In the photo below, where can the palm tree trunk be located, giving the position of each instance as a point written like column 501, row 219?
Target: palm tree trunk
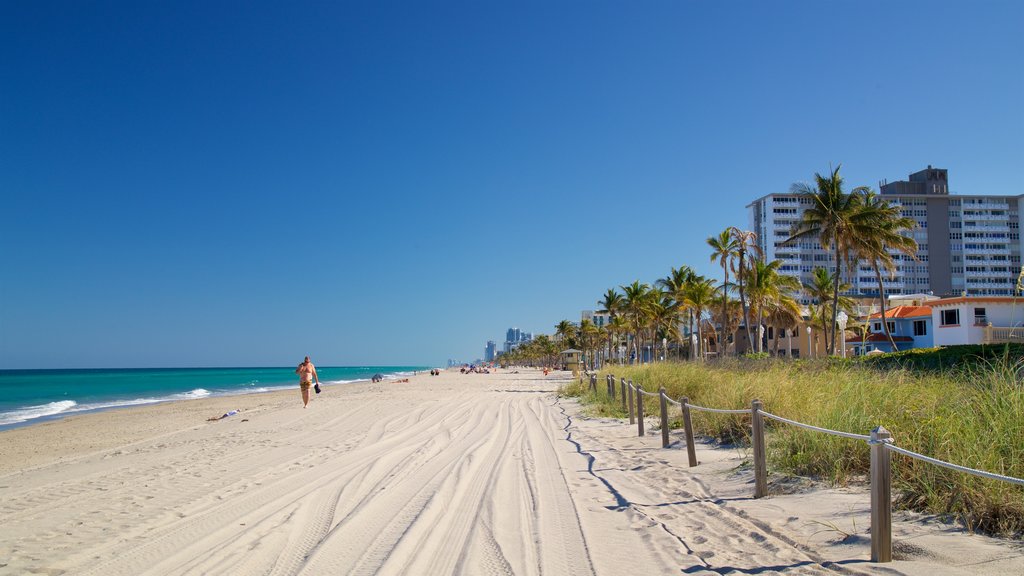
column 743, row 300
column 881, row 297
column 725, row 307
column 700, row 340
column 831, row 346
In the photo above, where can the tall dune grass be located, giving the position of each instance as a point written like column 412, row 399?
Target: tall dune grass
column 973, row 417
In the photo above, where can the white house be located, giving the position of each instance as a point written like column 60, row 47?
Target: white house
column 977, row 320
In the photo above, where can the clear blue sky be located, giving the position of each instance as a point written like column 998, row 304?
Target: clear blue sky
column 243, row 183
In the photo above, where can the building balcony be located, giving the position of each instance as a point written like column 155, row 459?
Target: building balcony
column 984, row 218
column 988, row 251
column 985, row 274
column 985, row 205
column 971, row 285
column 975, row 227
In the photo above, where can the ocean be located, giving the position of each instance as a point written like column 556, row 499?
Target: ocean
column 31, row 396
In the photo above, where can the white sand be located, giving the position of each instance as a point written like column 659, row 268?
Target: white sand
column 479, row 474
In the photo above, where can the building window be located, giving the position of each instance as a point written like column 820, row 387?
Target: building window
column 980, row 319
column 876, row 327
column 891, row 326
column 920, row 328
column 951, row 317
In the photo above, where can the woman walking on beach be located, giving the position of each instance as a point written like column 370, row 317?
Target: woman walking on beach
column 307, row 375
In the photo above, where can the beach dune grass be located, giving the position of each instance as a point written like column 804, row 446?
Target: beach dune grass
column 973, row 416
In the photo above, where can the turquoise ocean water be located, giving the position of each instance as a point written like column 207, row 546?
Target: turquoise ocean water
column 30, row 396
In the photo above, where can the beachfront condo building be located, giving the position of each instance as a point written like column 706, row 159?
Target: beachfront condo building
column 967, row 245
column 490, row 351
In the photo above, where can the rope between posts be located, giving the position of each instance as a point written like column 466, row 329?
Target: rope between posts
column 956, row 467
column 888, row 444
column 815, row 428
column 717, row 410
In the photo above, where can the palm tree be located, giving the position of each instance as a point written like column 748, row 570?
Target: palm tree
column 698, row 295
column 666, row 321
column 723, row 248
column 835, row 219
column 746, row 243
column 588, row 337
column 611, row 304
column 821, row 290
column 729, row 322
column 887, row 235
column 770, row 289
column 673, row 285
column 566, row 332
column 636, row 306
column 617, row 326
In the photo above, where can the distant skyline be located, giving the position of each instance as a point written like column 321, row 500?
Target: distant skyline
column 368, row 183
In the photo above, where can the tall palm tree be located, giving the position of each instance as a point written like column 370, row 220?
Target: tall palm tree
column 588, row 338
column 821, row 289
column 723, row 248
column 729, row 322
column 637, row 308
column 616, row 327
column 698, row 295
column 611, row 304
column 746, row 245
column 666, row 321
column 887, row 235
column 835, row 218
column 566, row 332
column 770, row 289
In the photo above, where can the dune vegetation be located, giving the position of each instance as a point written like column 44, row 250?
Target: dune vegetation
column 973, row 416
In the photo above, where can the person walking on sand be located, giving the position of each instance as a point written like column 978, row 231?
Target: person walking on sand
column 307, row 375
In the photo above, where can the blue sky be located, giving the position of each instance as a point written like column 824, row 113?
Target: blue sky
column 243, row 183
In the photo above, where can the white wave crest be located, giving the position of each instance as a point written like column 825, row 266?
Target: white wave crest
column 33, row 412
column 197, row 393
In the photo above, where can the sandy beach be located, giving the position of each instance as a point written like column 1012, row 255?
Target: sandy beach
column 453, row 474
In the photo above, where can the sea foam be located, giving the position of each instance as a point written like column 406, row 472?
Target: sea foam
column 32, row 412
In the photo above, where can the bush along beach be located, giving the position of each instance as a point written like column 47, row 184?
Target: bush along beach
column 972, row 416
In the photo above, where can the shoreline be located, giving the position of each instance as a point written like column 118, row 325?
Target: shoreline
column 72, row 433
column 74, row 392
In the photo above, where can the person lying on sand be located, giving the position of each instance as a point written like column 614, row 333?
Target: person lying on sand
column 223, row 416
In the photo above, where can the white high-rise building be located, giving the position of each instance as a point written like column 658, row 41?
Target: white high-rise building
column 966, row 244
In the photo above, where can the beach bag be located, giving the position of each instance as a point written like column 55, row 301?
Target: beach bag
column 317, row 387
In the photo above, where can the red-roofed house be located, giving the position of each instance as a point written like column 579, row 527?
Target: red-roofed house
column 910, row 326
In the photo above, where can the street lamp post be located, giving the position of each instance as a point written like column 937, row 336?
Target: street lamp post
column 842, row 318
column 810, row 351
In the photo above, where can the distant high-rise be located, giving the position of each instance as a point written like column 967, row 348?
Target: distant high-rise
column 512, row 335
column 490, row 351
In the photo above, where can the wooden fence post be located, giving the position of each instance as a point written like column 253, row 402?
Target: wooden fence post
column 639, row 411
column 691, row 450
column 593, row 382
column 629, row 388
column 664, row 416
column 611, row 388
column 622, row 390
column 881, row 497
column 760, row 459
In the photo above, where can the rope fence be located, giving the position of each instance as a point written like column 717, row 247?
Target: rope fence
column 880, row 442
